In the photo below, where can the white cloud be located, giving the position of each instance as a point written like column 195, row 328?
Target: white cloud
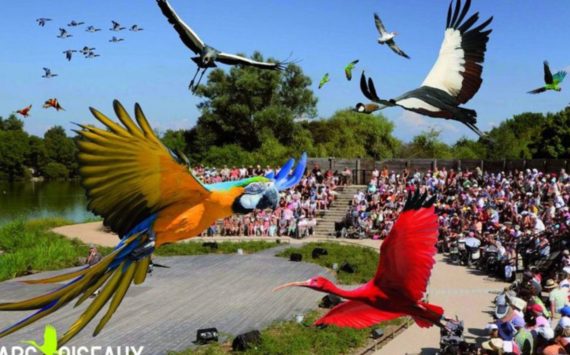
column 419, row 123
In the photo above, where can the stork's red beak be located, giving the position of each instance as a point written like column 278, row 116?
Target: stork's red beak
column 290, row 284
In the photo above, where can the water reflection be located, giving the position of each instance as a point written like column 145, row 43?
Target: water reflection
column 31, row 200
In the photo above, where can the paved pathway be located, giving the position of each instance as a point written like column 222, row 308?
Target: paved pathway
column 230, row 292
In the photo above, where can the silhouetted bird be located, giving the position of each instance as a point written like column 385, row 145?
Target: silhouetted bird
column 69, row 53
column 74, row 23
column 42, row 21
column 63, row 33
column 207, row 56
column 115, row 39
column 92, row 29
column 116, row 26
column 48, row 74
column 136, row 28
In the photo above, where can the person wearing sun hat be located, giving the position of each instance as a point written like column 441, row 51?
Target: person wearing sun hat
column 538, row 312
column 558, row 298
column 494, row 346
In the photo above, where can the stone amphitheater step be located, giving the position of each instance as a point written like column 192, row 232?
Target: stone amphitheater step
column 325, row 226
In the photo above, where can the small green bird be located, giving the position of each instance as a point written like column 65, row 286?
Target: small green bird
column 50, row 341
column 552, row 82
column 324, row 80
column 348, row 69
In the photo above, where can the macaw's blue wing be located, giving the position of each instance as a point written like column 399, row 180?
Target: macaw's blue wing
column 283, row 180
column 270, row 175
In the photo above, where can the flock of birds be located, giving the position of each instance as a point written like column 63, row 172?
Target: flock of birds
column 87, row 51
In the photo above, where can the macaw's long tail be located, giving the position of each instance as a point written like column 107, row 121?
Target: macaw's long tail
column 427, row 315
column 112, row 275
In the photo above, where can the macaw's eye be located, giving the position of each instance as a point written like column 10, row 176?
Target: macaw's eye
column 254, row 188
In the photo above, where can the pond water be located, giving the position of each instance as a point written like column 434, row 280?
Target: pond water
column 30, row 200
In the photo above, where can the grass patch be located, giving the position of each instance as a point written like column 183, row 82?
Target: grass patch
column 31, row 246
column 196, row 248
column 364, row 259
column 289, row 337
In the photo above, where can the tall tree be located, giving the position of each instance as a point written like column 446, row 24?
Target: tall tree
column 60, row 148
column 13, row 148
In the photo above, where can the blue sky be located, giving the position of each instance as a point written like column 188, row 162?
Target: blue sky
column 153, row 68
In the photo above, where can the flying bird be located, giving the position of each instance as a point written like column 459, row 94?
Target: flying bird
column 206, row 55
column 115, row 39
column 48, row 74
column 136, row 28
column 42, row 21
column 455, row 77
column 74, row 23
column 116, row 26
column 325, row 79
column 91, row 55
column 388, row 37
column 63, row 33
column 148, row 196
column 53, row 103
column 25, row 112
column 92, row 29
column 348, row 69
column 69, row 53
column 86, row 50
column 366, row 108
column 397, row 289
column 552, row 82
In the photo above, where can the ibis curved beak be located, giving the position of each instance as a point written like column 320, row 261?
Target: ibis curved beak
column 290, row 284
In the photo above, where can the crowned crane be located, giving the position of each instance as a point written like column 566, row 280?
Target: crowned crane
column 456, row 76
column 42, row 21
column 552, row 82
column 116, row 26
column 206, row 55
column 388, row 37
column 48, row 74
column 63, row 34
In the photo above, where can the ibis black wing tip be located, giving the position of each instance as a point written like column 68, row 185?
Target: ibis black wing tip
column 418, row 200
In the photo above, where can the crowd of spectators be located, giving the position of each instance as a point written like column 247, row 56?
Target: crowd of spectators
column 298, row 208
column 520, row 218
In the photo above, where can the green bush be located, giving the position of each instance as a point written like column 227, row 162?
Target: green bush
column 54, row 171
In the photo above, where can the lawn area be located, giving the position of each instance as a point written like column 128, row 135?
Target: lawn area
column 31, row 246
column 364, row 259
column 197, row 248
column 292, row 338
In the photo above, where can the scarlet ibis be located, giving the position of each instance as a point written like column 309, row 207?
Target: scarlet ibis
column 406, row 261
column 116, row 26
column 348, row 69
column 63, row 33
column 136, row 28
column 42, row 21
column 25, row 112
column 325, row 79
column 388, row 37
column 53, row 103
column 551, row 82
column 47, row 73
column 456, row 76
column 148, row 196
column 206, row 55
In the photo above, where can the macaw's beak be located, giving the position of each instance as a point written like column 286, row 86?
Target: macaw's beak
column 270, row 199
column 290, row 284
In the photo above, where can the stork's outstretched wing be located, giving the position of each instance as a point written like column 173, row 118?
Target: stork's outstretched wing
column 129, row 174
column 458, row 68
column 187, row 35
column 233, row 59
column 407, row 254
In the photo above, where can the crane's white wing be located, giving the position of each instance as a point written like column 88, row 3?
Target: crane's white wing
column 187, row 35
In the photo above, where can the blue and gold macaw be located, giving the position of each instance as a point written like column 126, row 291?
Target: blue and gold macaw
column 147, row 196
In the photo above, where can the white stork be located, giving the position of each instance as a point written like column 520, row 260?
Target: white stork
column 455, row 77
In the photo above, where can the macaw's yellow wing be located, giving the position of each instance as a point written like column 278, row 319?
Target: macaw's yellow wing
column 129, row 174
